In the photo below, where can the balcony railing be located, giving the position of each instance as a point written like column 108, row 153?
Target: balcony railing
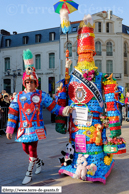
column 98, row 53
column 117, row 75
column 109, row 53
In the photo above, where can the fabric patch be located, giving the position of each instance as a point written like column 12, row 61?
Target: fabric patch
column 51, row 107
column 13, row 111
column 79, row 93
column 20, row 132
column 40, row 133
column 28, row 108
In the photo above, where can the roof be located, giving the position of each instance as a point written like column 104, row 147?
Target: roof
column 17, row 39
column 125, row 29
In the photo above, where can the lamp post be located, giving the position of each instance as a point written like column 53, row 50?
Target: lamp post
column 14, row 74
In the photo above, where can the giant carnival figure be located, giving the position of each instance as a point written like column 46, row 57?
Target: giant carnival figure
column 84, row 90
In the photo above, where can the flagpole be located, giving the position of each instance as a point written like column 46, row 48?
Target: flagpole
column 67, row 39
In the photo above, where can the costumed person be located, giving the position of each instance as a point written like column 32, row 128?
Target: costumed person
column 127, row 105
column 27, row 107
column 87, row 133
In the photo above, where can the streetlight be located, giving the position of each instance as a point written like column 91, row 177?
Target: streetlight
column 14, row 74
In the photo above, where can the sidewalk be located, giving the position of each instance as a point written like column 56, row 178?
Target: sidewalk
column 14, row 163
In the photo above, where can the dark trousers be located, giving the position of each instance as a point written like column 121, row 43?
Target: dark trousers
column 120, row 110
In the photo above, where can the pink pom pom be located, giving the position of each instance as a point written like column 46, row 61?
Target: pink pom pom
column 23, row 75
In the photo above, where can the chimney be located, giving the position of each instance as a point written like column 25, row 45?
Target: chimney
column 14, row 33
column 4, row 32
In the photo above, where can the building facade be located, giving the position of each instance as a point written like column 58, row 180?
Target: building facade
column 44, row 45
column 49, row 46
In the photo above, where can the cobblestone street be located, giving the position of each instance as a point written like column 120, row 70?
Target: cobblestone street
column 14, row 163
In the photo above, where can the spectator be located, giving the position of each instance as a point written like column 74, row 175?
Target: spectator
column 127, row 105
column 121, row 101
column 1, row 112
column 3, row 92
column 1, row 99
column 6, row 101
column 11, row 97
column 5, row 105
column 14, row 94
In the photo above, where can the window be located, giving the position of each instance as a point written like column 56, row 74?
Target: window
column 52, row 36
column 98, row 27
column 109, row 49
column 127, row 31
column 109, row 27
column 7, row 85
column 38, row 38
column 37, row 61
column 25, row 39
column 125, row 49
column 109, row 66
column 7, row 42
column 70, row 49
column 125, row 68
column 98, row 63
column 7, row 63
column 74, row 29
column 98, row 48
column 51, row 60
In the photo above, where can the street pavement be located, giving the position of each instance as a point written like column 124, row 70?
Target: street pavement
column 14, row 163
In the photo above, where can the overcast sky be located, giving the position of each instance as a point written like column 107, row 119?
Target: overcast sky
column 31, row 15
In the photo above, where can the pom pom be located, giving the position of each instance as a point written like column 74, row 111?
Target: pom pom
column 65, row 24
column 88, row 19
column 64, row 15
column 27, row 54
column 23, row 75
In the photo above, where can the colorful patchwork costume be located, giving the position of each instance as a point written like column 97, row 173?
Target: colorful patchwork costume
column 85, row 91
column 27, row 108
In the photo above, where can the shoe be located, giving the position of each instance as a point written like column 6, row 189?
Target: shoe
column 28, row 176
column 38, row 163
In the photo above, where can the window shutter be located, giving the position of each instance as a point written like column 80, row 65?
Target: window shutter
column 110, row 27
column 71, row 67
column 96, row 27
